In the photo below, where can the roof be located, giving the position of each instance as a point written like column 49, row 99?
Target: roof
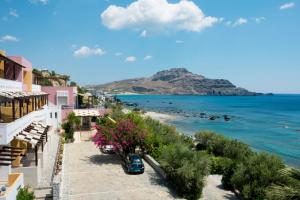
column 87, row 112
column 7, row 59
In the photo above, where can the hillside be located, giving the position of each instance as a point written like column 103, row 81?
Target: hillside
column 47, row 78
column 177, row 81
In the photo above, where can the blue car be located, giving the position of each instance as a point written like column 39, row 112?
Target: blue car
column 134, row 164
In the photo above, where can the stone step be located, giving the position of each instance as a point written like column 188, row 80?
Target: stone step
column 43, row 193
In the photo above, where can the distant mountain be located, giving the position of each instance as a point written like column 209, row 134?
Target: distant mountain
column 177, row 81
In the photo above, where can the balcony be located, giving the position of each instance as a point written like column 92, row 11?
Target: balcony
column 13, row 184
column 9, row 85
column 36, row 88
column 9, row 130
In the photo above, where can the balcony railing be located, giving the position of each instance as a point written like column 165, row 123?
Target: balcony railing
column 9, row 130
column 36, row 88
column 9, row 85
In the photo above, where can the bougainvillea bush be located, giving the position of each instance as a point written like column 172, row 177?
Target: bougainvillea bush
column 125, row 135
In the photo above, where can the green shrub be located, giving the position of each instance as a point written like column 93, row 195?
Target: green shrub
column 286, row 187
column 211, row 142
column 219, row 165
column 160, row 135
column 258, row 172
column 219, row 145
column 237, row 150
column 69, row 131
column 203, row 138
column 25, row 194
column 228, row 172
column 185, row 168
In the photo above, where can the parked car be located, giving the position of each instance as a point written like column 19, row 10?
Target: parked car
column 134, row 164
column 108, row 149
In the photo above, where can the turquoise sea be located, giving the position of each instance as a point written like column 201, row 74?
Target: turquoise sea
column 267, row 123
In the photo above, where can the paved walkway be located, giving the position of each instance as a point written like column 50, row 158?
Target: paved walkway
column 213, row 189
column 47, row 170
column 89, row 174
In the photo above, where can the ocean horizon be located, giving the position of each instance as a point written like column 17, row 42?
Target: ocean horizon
column 266, row 123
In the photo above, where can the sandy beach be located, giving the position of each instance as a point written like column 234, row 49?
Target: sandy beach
column 163, row 118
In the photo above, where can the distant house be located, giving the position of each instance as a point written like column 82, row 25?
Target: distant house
column 62, row 101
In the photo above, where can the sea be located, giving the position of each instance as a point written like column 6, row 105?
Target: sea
column 266, row 123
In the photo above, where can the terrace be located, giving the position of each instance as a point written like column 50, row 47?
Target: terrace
column 15, row 105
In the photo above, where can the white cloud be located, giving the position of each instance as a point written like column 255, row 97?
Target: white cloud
column 157, row 15
column 179, row 41
column 148, row 57
column 143, row 33
column 13, row 12
column 118, row 54
column 240, row 21
column 287, row 6
column 85, row 51
column 39, row 1
column 8, row 38
column 130, row 59
column 258, row 20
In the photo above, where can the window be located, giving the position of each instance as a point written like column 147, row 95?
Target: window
column 51, row 115
column 55, row 115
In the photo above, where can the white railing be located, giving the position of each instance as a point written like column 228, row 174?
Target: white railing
column 36, row 88
column 9, row 85
column 9, row 130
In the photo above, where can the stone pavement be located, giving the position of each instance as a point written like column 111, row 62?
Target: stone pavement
column 47, row 170
column 213, row 189
column 89, row 174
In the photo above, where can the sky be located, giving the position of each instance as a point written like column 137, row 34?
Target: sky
column 254, row 44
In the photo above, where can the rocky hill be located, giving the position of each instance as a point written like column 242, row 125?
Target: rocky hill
column 177, row 81
column 47, row 78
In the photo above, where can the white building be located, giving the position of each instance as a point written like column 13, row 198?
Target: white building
column 23, row 127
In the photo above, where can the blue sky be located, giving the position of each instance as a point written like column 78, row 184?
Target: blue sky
column 255, row 44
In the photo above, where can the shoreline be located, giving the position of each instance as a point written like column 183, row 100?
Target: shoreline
column 161, row 117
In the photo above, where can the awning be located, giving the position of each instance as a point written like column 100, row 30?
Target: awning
column 87, row 113
column 16, row 95
column 34, row 133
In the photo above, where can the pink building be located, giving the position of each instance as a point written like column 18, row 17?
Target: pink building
column 62, row 100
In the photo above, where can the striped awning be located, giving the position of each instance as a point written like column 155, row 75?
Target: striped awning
column 34, row 135
column 87, row 112
column 15, row 95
